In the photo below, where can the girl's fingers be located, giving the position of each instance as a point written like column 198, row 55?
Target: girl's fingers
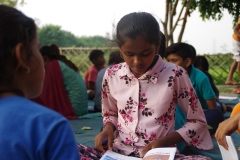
column 110, row 143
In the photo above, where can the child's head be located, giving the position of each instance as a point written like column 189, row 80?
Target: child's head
column 96, row 56
column 138, row 37
column 179, row 54
column 194, row 53
column 52, row 52
column 115, row 58
column 21, row 64
column 201, row 63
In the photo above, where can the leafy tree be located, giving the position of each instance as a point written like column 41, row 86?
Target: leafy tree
column 50, row 34
column 11, row 3
column 178, row 11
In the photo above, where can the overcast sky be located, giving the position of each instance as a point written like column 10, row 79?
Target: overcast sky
column 95, row 17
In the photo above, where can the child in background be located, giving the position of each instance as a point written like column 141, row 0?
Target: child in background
column 236, row 54
column 64, row 89
column 28, row 130
column 139, row 97
column 201, row 63
column 181, row 55
column 114, row 58
column 96, row 57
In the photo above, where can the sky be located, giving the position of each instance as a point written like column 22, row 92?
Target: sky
column 95, row 17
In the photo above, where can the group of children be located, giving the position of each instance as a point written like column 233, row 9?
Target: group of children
column 143, row 98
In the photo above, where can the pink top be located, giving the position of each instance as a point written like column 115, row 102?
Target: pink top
column 91, row 75
column 142, row 109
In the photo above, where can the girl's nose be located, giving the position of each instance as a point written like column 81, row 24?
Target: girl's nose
column 137, row 60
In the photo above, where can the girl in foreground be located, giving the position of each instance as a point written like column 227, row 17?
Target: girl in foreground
column 28, row 130
column 139, row 97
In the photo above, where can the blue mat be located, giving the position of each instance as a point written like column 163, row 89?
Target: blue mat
column 86, row 137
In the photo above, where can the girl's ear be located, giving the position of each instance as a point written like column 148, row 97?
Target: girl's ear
column 188, row 62
column 22, row 58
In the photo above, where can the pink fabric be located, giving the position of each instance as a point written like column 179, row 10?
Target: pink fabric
column 142, row 109
column 53, row 94
column 91, row 75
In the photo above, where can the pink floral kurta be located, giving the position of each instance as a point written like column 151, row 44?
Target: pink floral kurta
column 142, row 109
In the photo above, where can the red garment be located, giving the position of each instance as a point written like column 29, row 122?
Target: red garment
column 54, row 95
column 91, row 74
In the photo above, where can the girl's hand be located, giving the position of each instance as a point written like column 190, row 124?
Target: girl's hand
column 166, row 141
column 154, row 144
column 227, row 127
column 104, row 140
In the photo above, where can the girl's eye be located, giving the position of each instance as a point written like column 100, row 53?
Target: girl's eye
column 129, row 54
column 145, row 53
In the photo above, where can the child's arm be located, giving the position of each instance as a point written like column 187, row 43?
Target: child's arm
column 237, row 30
column 227, row 127
column 211, row 103
column 195, row 131
column 166, row 141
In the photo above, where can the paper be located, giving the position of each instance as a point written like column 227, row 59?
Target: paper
column 167, row 153
column 231, row 153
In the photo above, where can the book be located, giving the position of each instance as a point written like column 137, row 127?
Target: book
column 231, row 153
column 167, row 153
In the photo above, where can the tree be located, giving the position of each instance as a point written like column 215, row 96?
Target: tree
column 178, row 11
column 11, row 3
column 50, row 34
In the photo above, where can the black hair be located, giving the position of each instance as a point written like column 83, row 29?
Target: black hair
column 135, row 24
column 181, row 49
column 53, row 53
column 162, row 49
column 115, row 58
column 201, row 61
column 94, row 54
column 15, row 28
column 194, row 53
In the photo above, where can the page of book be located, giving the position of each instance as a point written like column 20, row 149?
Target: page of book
column 110, row 155
column 231, row 153
column 167, row 153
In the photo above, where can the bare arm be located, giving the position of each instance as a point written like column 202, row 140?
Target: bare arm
column 236, row 30
column 211, row 103
column 91, row 85
column 227, row 127
column 166, row 141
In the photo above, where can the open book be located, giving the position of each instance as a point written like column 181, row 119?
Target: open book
column 231, row 153
column 167, row 153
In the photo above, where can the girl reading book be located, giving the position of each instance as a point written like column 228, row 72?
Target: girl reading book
column 139, row 97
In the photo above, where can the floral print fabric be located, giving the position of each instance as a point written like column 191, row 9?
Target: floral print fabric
column 142, row 109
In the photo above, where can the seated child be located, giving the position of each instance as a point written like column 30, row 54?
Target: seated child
column 28, row 130
column 201, row 63
column 139, row 97
column 96, row 57
column 64, row 90
column 114, row 58
column 181, row 54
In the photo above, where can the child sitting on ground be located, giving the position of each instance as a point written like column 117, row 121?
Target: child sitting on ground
column 64, row 89
column 139, row 97
column 201, row 63
column 96, row 57
column 181, row 54
column 28, row 130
